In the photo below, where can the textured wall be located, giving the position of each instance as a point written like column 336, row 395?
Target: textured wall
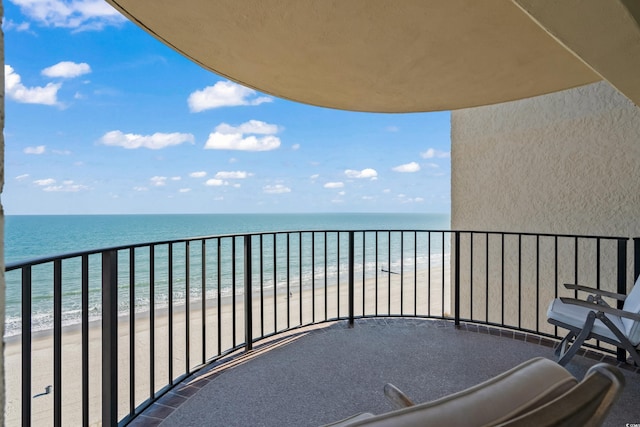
column 2, row 283
column 566, row 163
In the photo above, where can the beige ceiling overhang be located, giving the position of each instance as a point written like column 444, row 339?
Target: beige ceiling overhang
column 391, row 55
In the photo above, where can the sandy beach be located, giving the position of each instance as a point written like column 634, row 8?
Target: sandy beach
column 275, row 313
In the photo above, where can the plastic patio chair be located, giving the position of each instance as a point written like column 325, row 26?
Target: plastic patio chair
column 538, row 393
column 594, row 318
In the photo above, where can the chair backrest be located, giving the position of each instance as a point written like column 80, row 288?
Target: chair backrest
column 587, row 404
column 506, row 396
column 632, row 304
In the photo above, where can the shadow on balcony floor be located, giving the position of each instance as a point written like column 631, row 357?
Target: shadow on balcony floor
column 319, row 375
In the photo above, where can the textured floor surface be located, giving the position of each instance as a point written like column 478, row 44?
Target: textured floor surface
column 322, row 375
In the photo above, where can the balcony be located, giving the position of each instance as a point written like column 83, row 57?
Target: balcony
column 133, row 330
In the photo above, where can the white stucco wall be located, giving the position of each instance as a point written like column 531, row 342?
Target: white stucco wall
column 566, row 163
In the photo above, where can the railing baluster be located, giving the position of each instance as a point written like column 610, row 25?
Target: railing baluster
column 537, row 283
column 275, row 284
column 110, row 338
column 402, row 273
column 351, row 279
column 233, row 288
column 248, row 306
column 219, row 292
column 170, row 320
column 429, row 274
column 313, row 277
column 622, row 285
column 85, row 340
column 300, row 273
column 288, row 281
column 325, row 277
column 519, row 280
column 636, row 258
column 261, row 287
column 203, row 293
column 364, row 278
column 470, row 275
column 132, row 331
column 152, row 320
column 456, row 252
column 415, row 273
column 376, row 272
column 26, row 345
column 338, row 271
column 187, row 309
column 389, row 273
column 486, row 277
column 57, row 342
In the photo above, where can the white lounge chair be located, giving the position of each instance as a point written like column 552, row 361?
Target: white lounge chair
column 594, row 318
column 537, row 393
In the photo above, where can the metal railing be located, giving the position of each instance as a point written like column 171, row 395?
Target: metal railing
column 163, row 310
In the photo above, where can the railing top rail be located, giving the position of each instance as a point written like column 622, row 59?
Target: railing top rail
column 46, row 259
column 517, row 233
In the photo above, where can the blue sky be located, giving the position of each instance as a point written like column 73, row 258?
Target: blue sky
column 101, row 118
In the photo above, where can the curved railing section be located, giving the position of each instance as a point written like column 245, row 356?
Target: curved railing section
column 102, row 334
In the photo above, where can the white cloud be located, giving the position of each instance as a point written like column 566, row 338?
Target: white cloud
column 233, row 175
column 392, row 129
column 342, row 193
column 140, row 189
column 22, row 177
column 67, row 69
column 158, row 181
column 219, row 141
column 67, row 186
column 334, row 185
column 295, row 147
column 433, row 153
column 227, row 137
column 47, row 95
column 176, row 178
column 199, row 174
column 76, row 14
column 40, row 149
column 364, row 173
column 367, row 198
column 157, row 141
column 276, row 189
column 8, row 25
column 433, row 165
column 408, row 167
column 214, row 182
column 61, row 152
column 184, row 190
column 315, row 176
column 224, row 94
column 386, row 190
column 44, row 182
column 256, row 127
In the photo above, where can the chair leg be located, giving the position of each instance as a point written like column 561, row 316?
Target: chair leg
column 562, row 346
column 624, row 341
column 567, row 354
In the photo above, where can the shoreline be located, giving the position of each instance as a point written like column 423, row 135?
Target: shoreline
column 279, row 314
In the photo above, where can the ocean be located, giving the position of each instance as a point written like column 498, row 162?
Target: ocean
column 31, row 237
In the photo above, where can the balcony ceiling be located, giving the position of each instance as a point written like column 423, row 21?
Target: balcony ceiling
column 405, row 55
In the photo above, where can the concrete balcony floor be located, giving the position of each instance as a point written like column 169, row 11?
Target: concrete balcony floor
column 327, row 372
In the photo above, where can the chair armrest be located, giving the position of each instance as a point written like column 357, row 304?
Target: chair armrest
column 619, row 297
column 602, row 308
column 397, row 398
